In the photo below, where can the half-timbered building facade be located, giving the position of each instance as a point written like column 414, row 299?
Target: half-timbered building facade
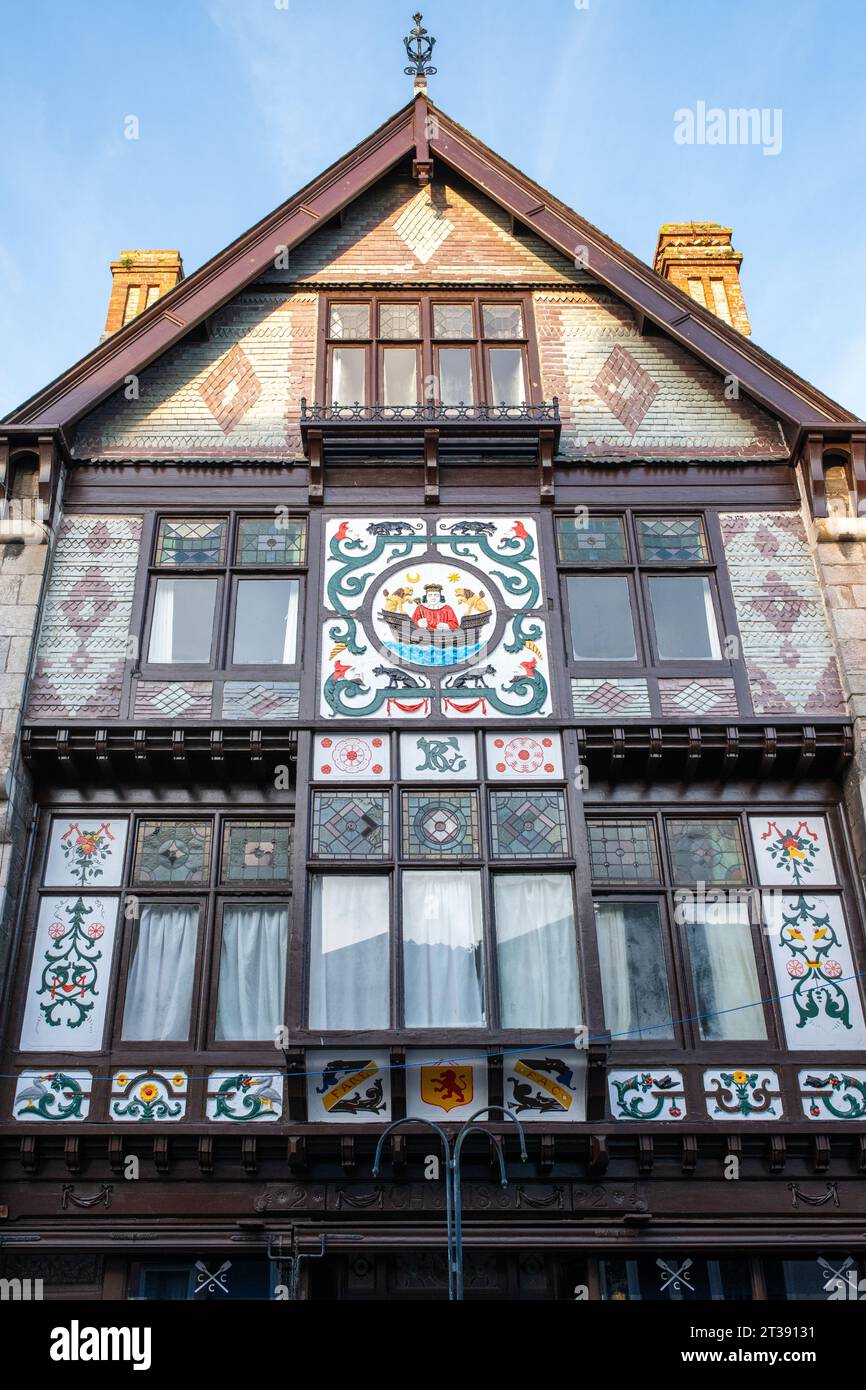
column 433, row 709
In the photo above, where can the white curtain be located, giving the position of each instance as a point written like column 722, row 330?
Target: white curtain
column 536, row 951
column 291, row 634
column 162, row 627
column 633, row 972
column 159, row 988
column 349, row 955
column 724, row 971
column 442, row 949
column 251, row 1002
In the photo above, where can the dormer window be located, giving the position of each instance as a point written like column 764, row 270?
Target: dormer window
column 451, row 352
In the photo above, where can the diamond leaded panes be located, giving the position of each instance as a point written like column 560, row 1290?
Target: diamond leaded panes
column 623, row 851
column 453, row 321
column 349, row 321
column 256, row 851
column 591, row 540
column 351, row 825
column 670, row 538
column 706, row 851
column 528, row 825
column 172, row 851
column 193, row 542
column 502, row 320
column 399, row 321
column 271, row 541
column 440, row 825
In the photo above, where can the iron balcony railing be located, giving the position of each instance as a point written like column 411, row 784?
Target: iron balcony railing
column 430, row 413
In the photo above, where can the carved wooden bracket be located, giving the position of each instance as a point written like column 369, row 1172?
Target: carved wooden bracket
column 431, row 466
column 316, row 489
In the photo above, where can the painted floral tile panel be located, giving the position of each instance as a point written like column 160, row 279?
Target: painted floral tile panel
column 742, row 1093
column 145, row 1096
column 815, row 972
column 345, row 1086
column 351, row 757
column 524, row 757
column 69, row 974
column 86, row 851
column 792, row 851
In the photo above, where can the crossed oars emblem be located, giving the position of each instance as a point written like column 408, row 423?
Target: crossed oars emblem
column 205, row 1282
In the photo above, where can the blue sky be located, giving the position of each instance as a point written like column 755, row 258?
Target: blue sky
column 240, row 102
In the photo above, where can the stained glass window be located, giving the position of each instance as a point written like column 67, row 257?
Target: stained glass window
column 528, row 825
column 708, row 851
column 271, row 541
column 591, row 540
column 256, row 851
column 399, row 321
column 350, row 321
column 172, row 851
column 453, row 321
column 440, row 825
column 502, row 320
column 351, row 825
column 193, row 542
column 623, row 851
column 668, row 538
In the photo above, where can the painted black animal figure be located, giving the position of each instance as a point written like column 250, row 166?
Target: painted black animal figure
column 396, row 677
column 392, row 528
column 474, row 678
column 471, row 528
column 332, row 1071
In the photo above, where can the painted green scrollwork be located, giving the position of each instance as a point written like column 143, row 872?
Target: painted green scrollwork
column 54, row 1096
column 649, row 1098
column 256, row 1095
column 809, row 936
column 845, row 1097
column 70, row 974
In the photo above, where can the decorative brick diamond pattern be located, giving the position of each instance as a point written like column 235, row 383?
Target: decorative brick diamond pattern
column 626, row 388
column 528, row 825
column 714, row 699
column 783, row 626
column 259, row 700
column 423, row 227
column 600, row 699
column 173, row 699
column 82, row 646
column 230, row 389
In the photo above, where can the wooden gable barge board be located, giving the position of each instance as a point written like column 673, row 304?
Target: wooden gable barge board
column 675, row 312
column 149, row 335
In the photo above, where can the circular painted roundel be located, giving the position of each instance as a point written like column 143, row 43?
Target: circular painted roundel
column 523, row 754
column 352, row 755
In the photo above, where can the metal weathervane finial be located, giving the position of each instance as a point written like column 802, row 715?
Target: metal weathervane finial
column 419, row 47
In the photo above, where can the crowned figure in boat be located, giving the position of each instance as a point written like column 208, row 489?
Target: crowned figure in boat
column 433, row 612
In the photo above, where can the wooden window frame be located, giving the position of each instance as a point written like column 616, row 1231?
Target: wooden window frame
column 227, row 574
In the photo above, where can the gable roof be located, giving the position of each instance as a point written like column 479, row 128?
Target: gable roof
column 77, row 390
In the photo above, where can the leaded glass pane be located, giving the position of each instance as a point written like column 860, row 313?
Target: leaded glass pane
column 271, row 541
column 350, row 321
column 440, row 825
column 502, row 320
column 623, row 851
column 399, row 321
column 453, row 321
column 195, row 542
column 351, row 825
column 591, row 540
column 528, row 825
column 669, row 538
column 256, row 851
column 707, row 851
column 172, row 851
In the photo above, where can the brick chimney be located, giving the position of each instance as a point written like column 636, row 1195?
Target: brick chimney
column 140, row 277
column 698, row 257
